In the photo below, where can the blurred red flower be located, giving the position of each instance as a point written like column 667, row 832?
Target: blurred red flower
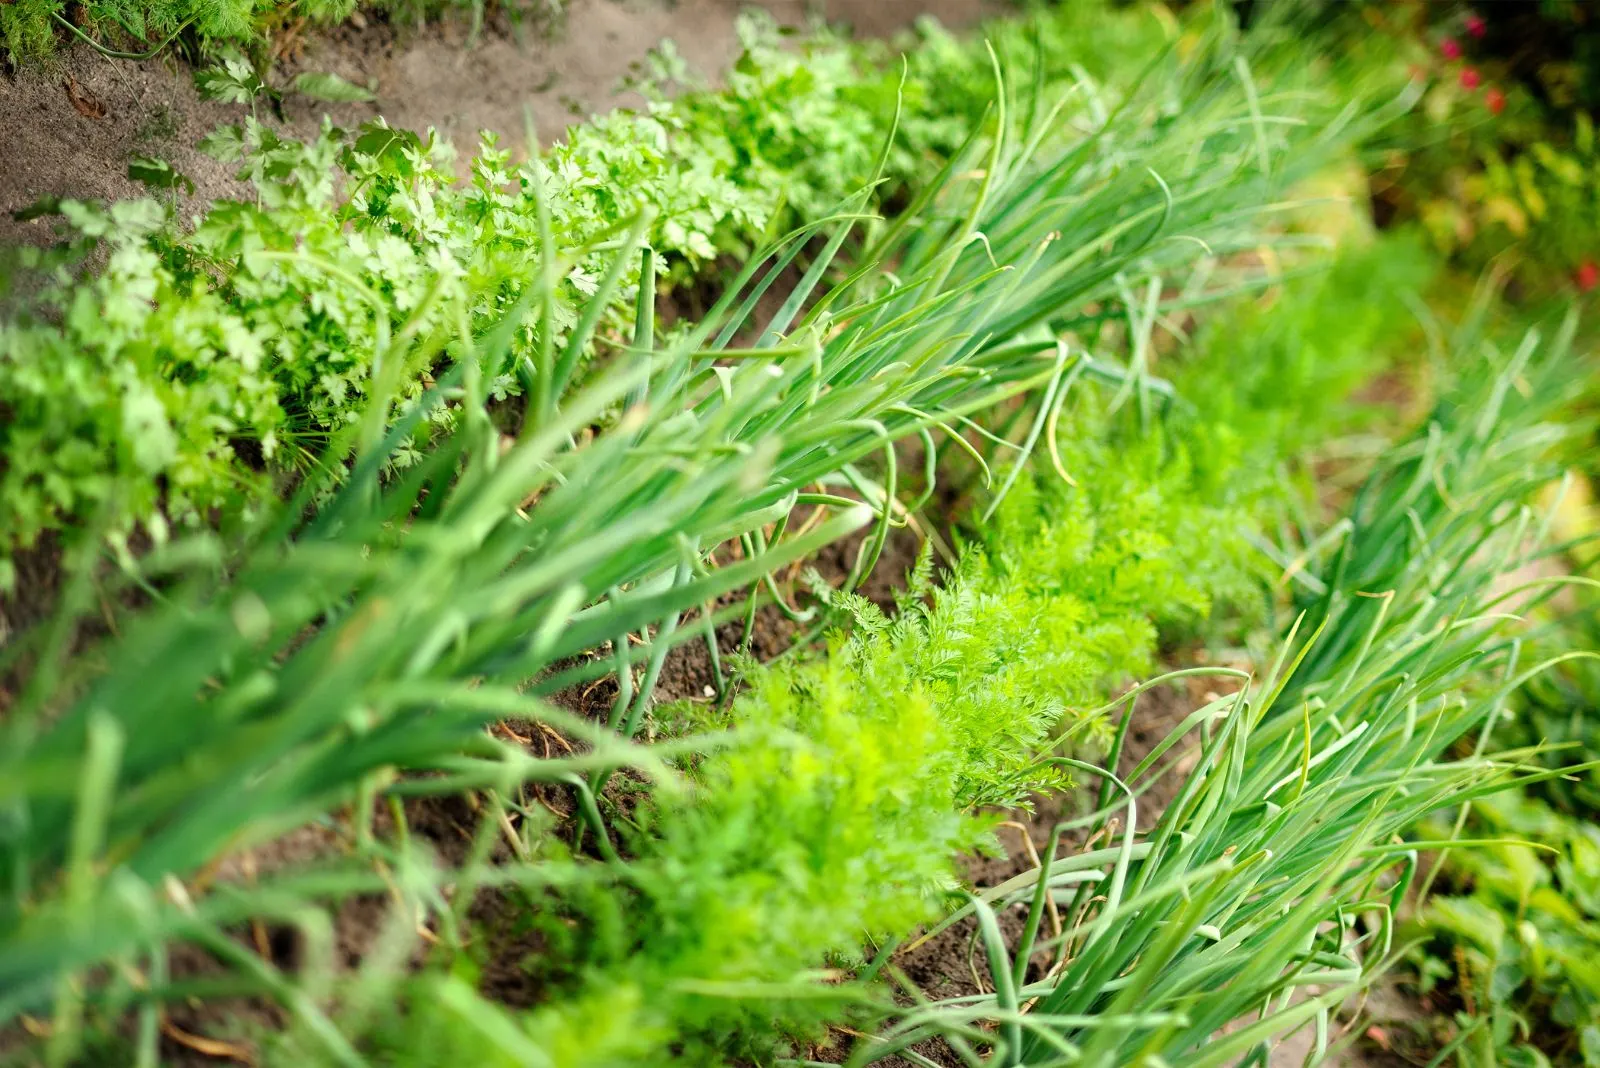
column 1470, row 78
column 1587, row 276
column 1494, row 100
column 1451, row 48
column 1476, row 26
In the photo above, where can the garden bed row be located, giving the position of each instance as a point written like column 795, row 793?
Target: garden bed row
column 515, row 487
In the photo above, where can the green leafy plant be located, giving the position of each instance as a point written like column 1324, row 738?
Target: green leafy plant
column 1503, row 964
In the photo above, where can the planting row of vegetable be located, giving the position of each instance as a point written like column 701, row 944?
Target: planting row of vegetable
column 484, row 480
